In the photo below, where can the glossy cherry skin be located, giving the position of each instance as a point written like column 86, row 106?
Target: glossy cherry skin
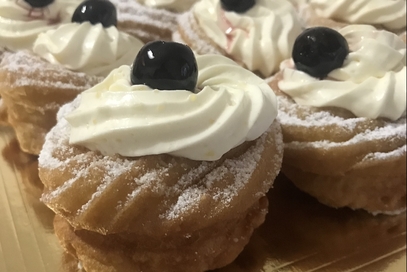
column 39, row 3
column 238, row 6
column 165, row 66
column 319, row 50
column 96, row 11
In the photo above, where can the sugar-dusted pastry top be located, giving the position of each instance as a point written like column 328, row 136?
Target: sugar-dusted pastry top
column 87, row 48
column 230, row 105
column 389, row 13
column 342, row 141
column 146, row 23
column 172, row 5
column 260, row 38
column 20, row 23
column 371, row 83
column 24, row 68
column 151, row 194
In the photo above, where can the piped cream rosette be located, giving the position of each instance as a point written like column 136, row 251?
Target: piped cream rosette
column 371, row 83
column 229, row 106
column 87, row 48
column 260, row 38
column 172, row 5
column 18, row 30
column 391, row 14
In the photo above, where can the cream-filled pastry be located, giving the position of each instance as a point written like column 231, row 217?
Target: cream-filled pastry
column 343, row 113
column 65, row 61
column 21, row 21
column 386, row 14
column 172, row 158
column 150, row 20
column 256, row 34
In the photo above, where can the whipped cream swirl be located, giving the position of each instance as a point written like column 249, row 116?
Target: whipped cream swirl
column 390, row 14
column 260, row 38
column 87, row 48
column 172, row 5
column 19, row 28
column 231, row 105
column 371, row 83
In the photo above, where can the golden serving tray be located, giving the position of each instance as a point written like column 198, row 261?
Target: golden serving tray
column 299, row 233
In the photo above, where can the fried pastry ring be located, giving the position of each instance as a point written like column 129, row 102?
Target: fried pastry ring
column 165, row 206
column 202, row 250
column 32, row 91
column 343, row 160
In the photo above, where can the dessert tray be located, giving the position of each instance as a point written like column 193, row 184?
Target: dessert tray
column 299, row 233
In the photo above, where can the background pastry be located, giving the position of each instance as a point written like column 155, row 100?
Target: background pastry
column 182, row 195
column 20, row 22
column 383, row 14
column 67, row 60
column 150, row 20
column 343, row 118
column 257, row 34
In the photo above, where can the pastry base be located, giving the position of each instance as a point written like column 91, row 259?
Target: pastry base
column 202, row 250
column 341, row 160
column 32, row 91
column 147, row 24
column 156, row 212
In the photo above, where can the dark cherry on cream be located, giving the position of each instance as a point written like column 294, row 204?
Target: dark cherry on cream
column 165, row 66
column 319, row 50
column 238, row 6
column 96, row 11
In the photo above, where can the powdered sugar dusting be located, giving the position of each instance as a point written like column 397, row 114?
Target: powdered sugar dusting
column 58, row 136
column 140, row 21
column 288, row 116
column 32, row 70
column 389, row 132
column 113, row 170
column 200, row 182
column 396, row 212
column 240, row 168
column 386, row 155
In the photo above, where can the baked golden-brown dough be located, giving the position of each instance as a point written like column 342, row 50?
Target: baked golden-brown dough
column 208, row 248
column 146, row 213
column 32, row 91
column 3, row 109
column 343, row 160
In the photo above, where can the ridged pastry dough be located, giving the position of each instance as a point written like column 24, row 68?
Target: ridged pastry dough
column 343, row 160
column 32, row 91
column 166, row 211
column 146, row 23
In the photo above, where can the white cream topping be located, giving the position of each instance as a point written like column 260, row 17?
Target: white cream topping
column 231, row 105
column 87, row 48
column 391, row 14
column 172, row 5
column 260, row 38
column 19, row 28
column 371, row 83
